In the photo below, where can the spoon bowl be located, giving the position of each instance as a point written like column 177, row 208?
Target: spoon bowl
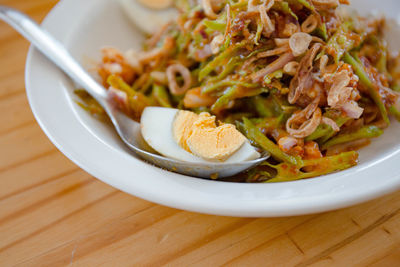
column 128, row 129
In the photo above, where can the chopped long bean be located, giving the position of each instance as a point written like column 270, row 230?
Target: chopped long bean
column 365, row 132
column 253, row 133
column 366, row 81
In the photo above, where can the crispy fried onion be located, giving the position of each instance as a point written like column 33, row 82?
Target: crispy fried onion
column 307, row 124
column 251, row 5
column 269, row 26
column 273, row 52
column 303, row 78
column 155, row 53
column 248, row 63
column 330, row 122
column 274, row 66
column 174, row 69
column 281, row 41
column 340, row 93
column 323, row 62
column 216, row 43
column 208, row 9
column 310, row 24
column 325, row 4
column 262, row 9
column 290, row 29
column 352, row 109
column 303, row 123
column 291, row 68
column 299, row 43
column 286, row 143
column 152, row 42
column 228, row 21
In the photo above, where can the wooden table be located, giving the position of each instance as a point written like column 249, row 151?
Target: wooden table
column 52, row 213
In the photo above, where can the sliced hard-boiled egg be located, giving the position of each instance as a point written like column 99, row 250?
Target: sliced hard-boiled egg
column 186, row 136
column 149, row 15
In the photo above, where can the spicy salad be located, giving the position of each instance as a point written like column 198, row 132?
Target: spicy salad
column 300, row 79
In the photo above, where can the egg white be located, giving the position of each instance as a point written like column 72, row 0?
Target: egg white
column 156, row 127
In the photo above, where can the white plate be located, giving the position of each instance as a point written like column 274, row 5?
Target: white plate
column 84, row 27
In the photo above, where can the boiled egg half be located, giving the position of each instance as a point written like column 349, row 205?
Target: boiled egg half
column 187, row 136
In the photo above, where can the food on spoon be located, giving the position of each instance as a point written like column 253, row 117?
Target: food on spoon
column 186, row 136
column 300, row 80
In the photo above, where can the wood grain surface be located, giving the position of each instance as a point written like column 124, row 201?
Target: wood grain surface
column 54, row 214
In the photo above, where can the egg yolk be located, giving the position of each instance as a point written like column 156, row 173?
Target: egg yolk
column 200, row 135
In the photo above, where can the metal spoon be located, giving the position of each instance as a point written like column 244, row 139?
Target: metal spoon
column 128, row 130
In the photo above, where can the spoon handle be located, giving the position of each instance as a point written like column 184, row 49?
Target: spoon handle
column 54, row 50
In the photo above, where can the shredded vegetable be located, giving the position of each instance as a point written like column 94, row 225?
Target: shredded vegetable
column 301, row 81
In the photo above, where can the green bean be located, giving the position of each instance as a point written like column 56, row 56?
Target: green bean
column 325, row 132
column 228, row 69
column 224, row 83
column 238, row 4
column 396, row 113
column 254, row 134
column 340, row 122
column 262, row 108
column 161, row 95
column 285, row 8
column 396, row 86
column 183, row 41
column 218, row 60
column 370, row 131
column 322, row 32
column 267, row 107
column 120, row 84
column 90, row 104
column 215, row 25
column 321, row 131
column 312, row 168
column 340, row 42
column 366, row 81
column 223, row 101
column 257, row 37
column 274, row 75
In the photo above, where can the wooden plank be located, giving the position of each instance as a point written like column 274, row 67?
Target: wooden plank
column 40, row 216
column 34, row 173
column 11, row 85
column 162, row 238
column 15, row 62
column 136, row 220
column 22, row 145
column 23, row 203
column 367, row 248
column 337, row 229
column 240, row 241
column 392, row 258
column 17, row 113
column 119, row 213
column 279, row 252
